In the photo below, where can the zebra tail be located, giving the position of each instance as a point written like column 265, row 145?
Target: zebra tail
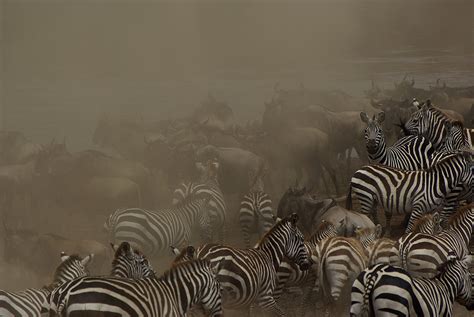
column 368, row 289
column 349, row 198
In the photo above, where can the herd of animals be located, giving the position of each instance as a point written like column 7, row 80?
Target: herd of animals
column 196, row 192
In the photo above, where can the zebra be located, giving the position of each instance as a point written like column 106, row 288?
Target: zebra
column 33, row 301
column 256, row 215
column 417, row 192
column 383, row 290
column 457, row 137
column 208, row 184
column 384, row 250
column 408, row 153
column 341, row 259
column 172, row 294
column 155, row 231
column 250, row 275
column 422, row 254
column 290, row 275
column 130, row 263
column 428, row 121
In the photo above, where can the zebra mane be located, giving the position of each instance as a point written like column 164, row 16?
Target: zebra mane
column 461, row 213
column 276, row 227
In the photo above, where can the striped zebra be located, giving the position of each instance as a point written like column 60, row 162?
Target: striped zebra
column 417, row 192
column 421, row 254
column 207, row 184
column 384, row 290
column 250, row 275
column 384, row 250
column 172, row 294
column 130, row 263
column 155, row 231
column 255, row 214
column 33, row 301
column 408, row 153
column 428, row 121
column 341, row 259
column 457, row 137
column 290, row 275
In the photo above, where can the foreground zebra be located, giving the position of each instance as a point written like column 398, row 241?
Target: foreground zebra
column 421, row 254
column 255, row 214
column 155, row 231
column 172, row 294
column 208, row 184
column 250, row 275
column 384, row 290
column 417, row 192
column 34, row 302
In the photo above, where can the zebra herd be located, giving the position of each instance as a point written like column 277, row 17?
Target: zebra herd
column 427, row 174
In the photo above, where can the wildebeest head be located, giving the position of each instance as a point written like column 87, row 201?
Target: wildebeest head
column 299, row 201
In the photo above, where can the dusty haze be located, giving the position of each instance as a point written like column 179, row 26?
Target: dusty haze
column 64, row 62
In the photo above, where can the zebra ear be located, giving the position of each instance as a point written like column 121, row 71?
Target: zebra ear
column 380, row 117
column 64, row 256
column 174, row 250
column 364, row 117
column 87, row 260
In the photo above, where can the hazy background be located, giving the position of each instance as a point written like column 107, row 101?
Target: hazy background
column 64, row 62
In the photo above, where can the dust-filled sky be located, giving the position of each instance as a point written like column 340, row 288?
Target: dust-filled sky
column 65, row 61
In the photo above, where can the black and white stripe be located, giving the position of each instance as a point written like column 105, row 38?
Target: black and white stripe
column 250, row 275
column 256, row 215
column 208, row 184
column 172, row 294
column 34, row 302
column 155, row 231
column 409, row 153
column 384, row 290
column 417, row 192
column 422, row 254
column 130, row 263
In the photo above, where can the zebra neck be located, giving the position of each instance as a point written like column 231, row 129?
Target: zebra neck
column 463, row 226
column 448, row 173
column 190, row 212
column 273, row 245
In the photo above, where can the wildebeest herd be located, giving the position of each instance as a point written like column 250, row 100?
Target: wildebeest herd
column 191, row 196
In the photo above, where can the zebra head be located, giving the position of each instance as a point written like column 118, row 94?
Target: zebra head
column 455, row 272
column 71, row 267
column 295, row 248
column 373, row 133
column 421, row 121
column 367, row 236
column 456, row 138
column 130, row 263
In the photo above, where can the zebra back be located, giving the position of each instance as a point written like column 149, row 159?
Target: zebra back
column 255, row 215
column 422, row 254
column 172, row 294
column 155, row 231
